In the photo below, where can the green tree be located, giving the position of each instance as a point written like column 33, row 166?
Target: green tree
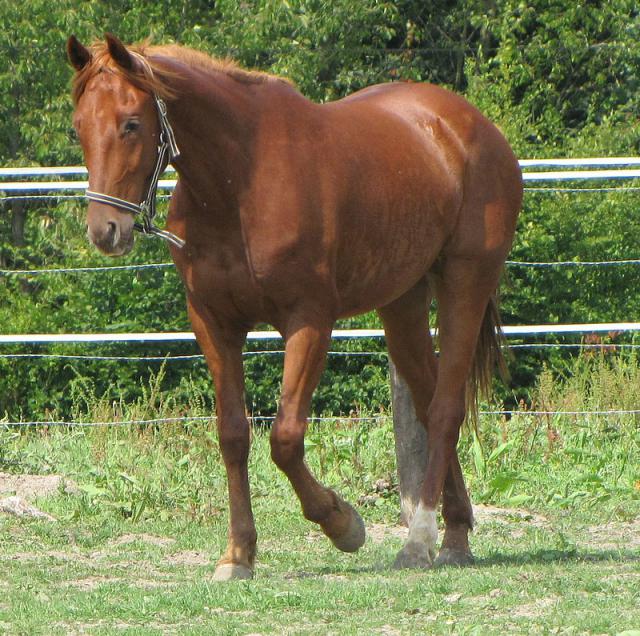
column 558, row 78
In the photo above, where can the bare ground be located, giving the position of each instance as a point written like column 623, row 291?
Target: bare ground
column 30, row 487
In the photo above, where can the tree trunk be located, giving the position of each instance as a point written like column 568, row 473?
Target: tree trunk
column 18, row 220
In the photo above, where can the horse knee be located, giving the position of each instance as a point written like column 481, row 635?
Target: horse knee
column 234, row 440
column 287, row 444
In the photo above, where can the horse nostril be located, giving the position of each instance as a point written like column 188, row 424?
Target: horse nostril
column 112, row 232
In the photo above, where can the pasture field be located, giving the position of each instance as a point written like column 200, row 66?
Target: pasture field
column 140, row 518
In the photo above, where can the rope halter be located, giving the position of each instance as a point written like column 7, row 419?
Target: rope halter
column 167, row 152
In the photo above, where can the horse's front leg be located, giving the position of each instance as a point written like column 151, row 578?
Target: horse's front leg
column 222, row 348
column 307, row 342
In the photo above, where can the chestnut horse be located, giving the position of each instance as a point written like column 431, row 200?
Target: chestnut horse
column 297, row 214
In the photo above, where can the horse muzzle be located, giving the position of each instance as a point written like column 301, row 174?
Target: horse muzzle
column 109, row 230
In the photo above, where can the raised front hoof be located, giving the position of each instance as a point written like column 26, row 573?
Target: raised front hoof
column 353, row 539
column 455, row 558
column 232, row 572
column 413, row 557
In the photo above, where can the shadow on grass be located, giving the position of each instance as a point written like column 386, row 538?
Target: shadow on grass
column 538, row 557
column 558, row 556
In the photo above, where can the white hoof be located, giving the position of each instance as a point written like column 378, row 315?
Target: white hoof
column 232, row 572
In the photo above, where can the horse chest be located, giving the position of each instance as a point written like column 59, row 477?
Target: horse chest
column 223, row 283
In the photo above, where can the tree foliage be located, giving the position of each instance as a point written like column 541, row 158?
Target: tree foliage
column 560, row 79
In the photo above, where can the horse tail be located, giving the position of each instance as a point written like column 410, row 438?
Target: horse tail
column 488, row 358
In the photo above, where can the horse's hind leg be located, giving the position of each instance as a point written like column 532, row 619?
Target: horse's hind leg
column 411, row 349
column 307, row 340
column 458, row 518
column 463, row 292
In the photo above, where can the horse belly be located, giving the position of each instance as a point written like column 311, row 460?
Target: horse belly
column 380, row 265
column 393, row 232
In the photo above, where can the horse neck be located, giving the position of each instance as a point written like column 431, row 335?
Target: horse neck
column 214, row 118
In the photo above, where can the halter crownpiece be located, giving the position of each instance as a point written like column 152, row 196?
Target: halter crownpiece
column 167, row 151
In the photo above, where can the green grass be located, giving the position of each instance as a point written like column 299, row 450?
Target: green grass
column 133, row 551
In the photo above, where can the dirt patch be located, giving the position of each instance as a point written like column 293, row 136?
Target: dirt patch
column 152, row 585
column 17, row 491
column 387, row 630
column 493, row 514
column 621, row 576
column 614, row 535
column 80, row 629
column 19, row 507
column 536, row 609
column 91, row 583
column 379, row 532
column 190, row 558
column 57, row 555
column 31, row 486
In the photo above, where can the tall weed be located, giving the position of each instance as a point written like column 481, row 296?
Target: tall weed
column 173, row 469
column 566, row 449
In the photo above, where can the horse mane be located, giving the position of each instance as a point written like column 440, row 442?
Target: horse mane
column 151, row 76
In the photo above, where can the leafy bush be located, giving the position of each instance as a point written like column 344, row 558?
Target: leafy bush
column 559, row 80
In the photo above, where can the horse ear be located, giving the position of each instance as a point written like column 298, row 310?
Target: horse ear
column 78, row 55
column 119, row 52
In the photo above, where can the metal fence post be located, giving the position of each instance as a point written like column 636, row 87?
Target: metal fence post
column 411, row 445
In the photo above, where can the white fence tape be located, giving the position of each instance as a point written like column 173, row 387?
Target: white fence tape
column 577, row 163
column 564, row 175
column 578, row 175
column 37, row 171
column 168, row 184
column 54, row 186
column 178, row 336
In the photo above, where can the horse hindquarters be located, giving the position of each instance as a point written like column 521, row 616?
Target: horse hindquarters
column 471, row 265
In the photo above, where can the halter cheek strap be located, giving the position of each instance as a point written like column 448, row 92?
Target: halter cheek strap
column 167, row 152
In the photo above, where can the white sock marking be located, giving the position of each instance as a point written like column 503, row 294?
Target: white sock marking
column 423, row 528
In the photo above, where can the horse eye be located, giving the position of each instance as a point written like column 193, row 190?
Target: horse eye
column 131, row 126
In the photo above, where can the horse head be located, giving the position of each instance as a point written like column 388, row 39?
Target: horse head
column 117, row 123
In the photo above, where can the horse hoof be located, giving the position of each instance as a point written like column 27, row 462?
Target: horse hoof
column 413, row 557
column 353, row 539
column 232, row 572
column 457, row 558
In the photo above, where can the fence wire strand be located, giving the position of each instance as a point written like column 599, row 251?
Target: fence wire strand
column 269, row 419
column 177, row 358
column 168, row 265
column 604, row 347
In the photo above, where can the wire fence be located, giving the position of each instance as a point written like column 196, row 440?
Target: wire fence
column 351, row 419
column 616, row 168
column 145, row 266
column 581, row 346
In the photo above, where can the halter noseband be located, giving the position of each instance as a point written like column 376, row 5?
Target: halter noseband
column 167, row 152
